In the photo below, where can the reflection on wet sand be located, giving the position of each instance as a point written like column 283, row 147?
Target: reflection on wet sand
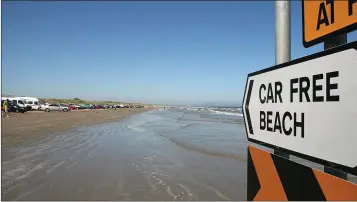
column 207, row 152
column 124, row 160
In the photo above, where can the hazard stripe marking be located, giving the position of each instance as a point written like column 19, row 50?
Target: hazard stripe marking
column 299, row 181
column 335, row 188
column 273, row 178
column 253, row 184
column 271, row 187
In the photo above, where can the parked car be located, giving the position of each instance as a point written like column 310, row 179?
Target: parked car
column 31, row 103
column 95, row 107
column 103, row 106
column 72, row 107
column 42, row 106
column 81, row 106
column 13, row 107
column 17, row 108
column 76, row 106
column 18, row 101
column 65, row 105
column 86, row 106
column 55, row 107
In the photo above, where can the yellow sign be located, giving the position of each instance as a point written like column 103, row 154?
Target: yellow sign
column 324, row 19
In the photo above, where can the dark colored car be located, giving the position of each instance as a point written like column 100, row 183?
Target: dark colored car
column 83, row 106
column 13, row 107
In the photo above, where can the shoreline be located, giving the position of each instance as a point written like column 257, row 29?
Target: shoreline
column 23, row 127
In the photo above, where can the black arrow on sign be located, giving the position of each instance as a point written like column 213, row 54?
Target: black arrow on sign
column 250, row 127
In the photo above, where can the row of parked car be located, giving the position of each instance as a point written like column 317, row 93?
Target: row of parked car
column 68, row 107
column 23, row 104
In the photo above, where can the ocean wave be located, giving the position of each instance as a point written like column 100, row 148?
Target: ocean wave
column 138, row 125
column 135, row 127
column 236, row 111
column 227, row 113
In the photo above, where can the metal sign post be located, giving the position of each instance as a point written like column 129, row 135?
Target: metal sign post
column 282, row 40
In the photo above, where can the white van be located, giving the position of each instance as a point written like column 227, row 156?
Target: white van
column 18, row 101
column 32, row 102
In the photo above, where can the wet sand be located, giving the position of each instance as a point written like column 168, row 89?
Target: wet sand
column 148, row 156
column 30, row 126
column 118, row 160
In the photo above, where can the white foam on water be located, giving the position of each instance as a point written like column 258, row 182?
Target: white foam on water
column 169, row 191
column 190, row 196
column 143, row 119
column 37, row 167
column 218, row 193
column 54, row 166
column 14, row 171
column 228, row 113
column 136, row 127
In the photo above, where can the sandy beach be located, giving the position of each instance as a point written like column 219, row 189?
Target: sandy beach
column 125, row 154
column 109, row 155
column 29, row 126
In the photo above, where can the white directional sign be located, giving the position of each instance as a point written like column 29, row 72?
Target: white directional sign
column 307, row 106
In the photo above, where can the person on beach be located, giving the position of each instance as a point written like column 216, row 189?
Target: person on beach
column 6, row 108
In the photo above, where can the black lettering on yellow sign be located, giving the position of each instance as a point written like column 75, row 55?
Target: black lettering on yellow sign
column 327, row 19
column 323, row 18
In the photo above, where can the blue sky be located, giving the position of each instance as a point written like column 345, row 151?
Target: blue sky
column 154, row 52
